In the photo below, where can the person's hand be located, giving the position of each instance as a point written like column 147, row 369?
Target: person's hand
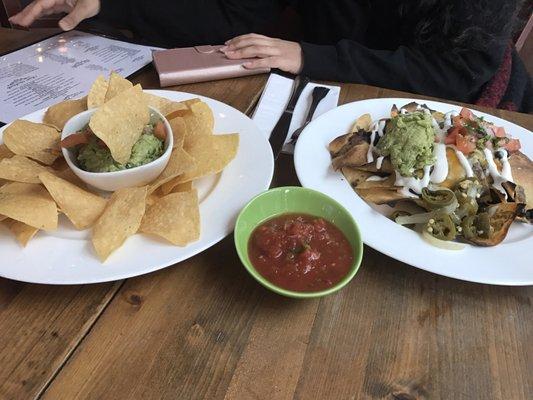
column 77, row 11
column 272, row 53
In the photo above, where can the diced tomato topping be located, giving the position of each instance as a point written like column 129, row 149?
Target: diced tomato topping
column 452, row 134
column 458, row 121
column 498, row 131
column 512, row 145
column 160, row 131
column 465, row 144
column 76, row 139
column 467, row 114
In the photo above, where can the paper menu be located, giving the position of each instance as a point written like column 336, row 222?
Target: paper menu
column 60, row 68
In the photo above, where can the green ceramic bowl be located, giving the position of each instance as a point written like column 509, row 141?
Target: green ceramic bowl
column 295, row 200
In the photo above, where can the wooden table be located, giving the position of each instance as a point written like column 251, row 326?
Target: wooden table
column 204, row 329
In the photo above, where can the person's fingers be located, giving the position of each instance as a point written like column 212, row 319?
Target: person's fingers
column 31, row 12
column 253, row 51
column 248, row 35
column 82, row 10
column 248, row 41
column 269, row 62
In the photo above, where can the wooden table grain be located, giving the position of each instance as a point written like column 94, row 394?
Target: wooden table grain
column 204, row 329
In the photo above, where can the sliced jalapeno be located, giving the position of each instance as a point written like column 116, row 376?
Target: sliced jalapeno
column 468, row 226
column 435, row 199
column 441, row 227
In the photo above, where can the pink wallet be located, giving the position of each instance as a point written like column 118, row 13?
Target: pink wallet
column 197, row 64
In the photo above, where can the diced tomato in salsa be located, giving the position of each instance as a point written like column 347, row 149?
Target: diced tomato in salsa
column 300, row 252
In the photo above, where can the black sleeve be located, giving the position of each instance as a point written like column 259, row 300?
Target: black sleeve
column 458, row 76
column 190, row 22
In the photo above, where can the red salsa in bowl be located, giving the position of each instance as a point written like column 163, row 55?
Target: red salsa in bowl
column 300, row 252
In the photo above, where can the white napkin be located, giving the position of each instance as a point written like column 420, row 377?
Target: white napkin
column 274, row 100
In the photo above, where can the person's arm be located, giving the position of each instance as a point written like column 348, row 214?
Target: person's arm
column 452, row 76
column 190, row 22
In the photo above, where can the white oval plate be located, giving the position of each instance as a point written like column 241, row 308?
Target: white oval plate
column 506, row 264
column 66, row 255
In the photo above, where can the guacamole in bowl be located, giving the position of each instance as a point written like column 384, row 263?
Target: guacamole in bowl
column 91, row 160
column 92, row 155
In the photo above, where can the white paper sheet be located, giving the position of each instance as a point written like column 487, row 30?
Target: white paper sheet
column 60, row 68
column 275, row 98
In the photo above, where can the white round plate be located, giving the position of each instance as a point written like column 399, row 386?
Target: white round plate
column 66, row 255
column 506, row 264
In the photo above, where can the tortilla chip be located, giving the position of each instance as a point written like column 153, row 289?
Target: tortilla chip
column 21, row 169
column 81, row 207
column 355, row 156
column 5, row 152
column 204, row 115
column 23, row 233
column 211, row 154
column 179, row 130
column 501, row 217
column 522, row 169
column 174, row 187
column 164, row 105
column 359, row 179
column 120, row 220
column 179, row 163
column 120, row 122
column 364, row 122
column 117, row 84
column 58, row 114
column 71, row 177
column 380, row 195
column 29, row 203
column 33, row 140
column 96, row 96
column 175, row 217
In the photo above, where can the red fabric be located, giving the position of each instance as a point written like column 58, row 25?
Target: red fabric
column 494, row 90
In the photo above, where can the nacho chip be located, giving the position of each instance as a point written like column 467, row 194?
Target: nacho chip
column 120, row 122
column 522, row 168
column 199, row 121
column 5, row 152
column 117, row 84
column 179, row 163
column 29, row 203
column 179, row 130
column 364, row 122
column 23, row 233
column 58, row 114
column 33, row 140
column 96, row 96
column 211, row 154
column 81, row 207
column 120, row 220
column 164, row 105
column 175, row 217
column 174, row 187
column 21, row 169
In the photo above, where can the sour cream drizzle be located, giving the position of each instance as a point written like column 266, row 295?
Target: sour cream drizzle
column 498, row 177
column 377, row 128
column 379, row 161
column 464, row 163
column 412, row 183
column 440, row 168
column 376, row 178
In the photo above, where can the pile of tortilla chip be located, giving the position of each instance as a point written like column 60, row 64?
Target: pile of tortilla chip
column 36, row 184
column 374, row 179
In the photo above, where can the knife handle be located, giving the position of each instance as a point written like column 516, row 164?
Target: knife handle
column 279, row 133
column 300, row 86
